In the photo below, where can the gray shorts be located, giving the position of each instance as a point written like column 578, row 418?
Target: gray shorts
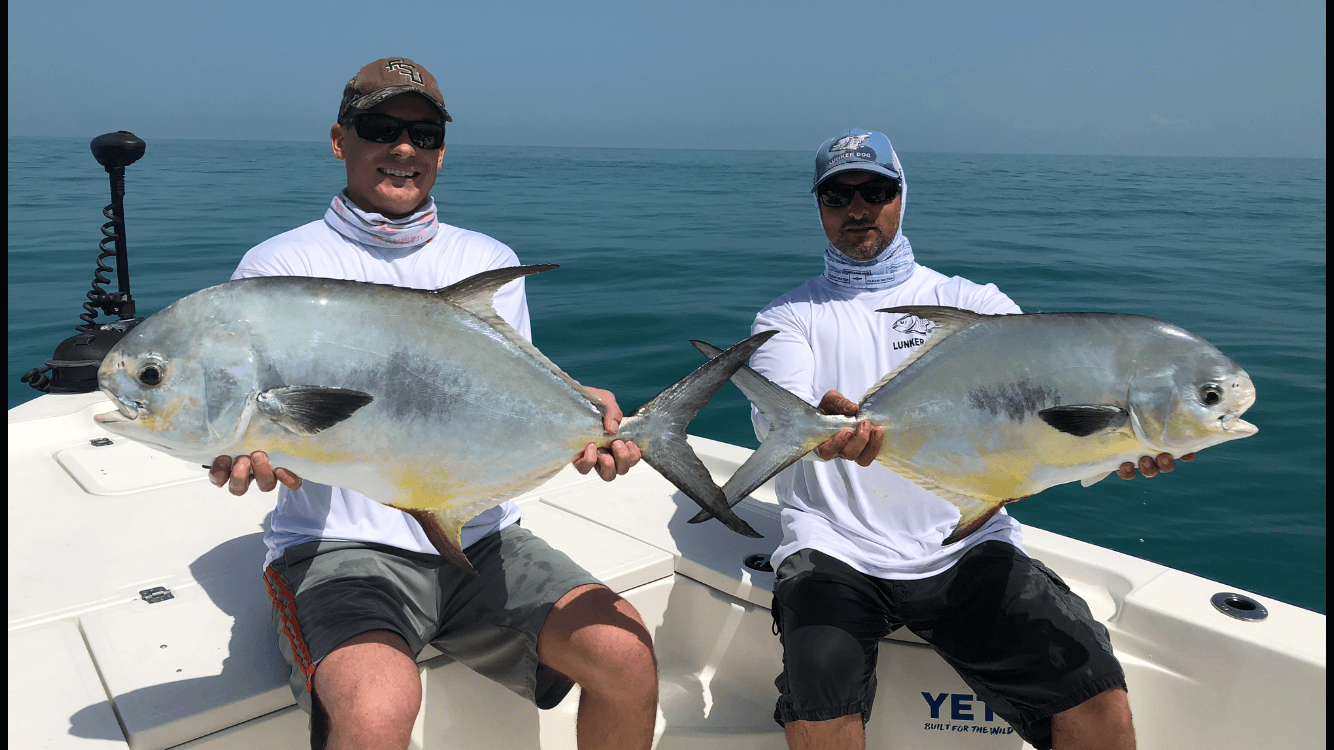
column 1011, row 628
column 327, row 592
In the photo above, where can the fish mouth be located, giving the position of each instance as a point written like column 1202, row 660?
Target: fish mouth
column 126, row 411
column 1233, row 423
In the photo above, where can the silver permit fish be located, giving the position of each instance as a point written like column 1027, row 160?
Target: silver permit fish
column 995, row 408
column 427, row 401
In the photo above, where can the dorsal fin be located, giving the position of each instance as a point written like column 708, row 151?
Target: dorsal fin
column 953, row 318
column 474, row 294
column 948, row 320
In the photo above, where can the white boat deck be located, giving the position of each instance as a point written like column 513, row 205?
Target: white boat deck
column 92, row 664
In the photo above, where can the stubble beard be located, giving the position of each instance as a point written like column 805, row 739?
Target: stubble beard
column 869, row 248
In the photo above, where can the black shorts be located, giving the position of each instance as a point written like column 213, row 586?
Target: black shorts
column 1009, row 626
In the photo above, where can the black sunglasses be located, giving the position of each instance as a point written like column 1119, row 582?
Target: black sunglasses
column 385, row 129
column 836, row 195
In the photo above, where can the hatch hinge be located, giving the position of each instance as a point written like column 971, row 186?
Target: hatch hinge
column 156, row 594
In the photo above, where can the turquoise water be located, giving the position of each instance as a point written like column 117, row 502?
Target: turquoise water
column 659, row 246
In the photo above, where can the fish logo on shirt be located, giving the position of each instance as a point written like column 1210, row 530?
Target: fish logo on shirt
column 914, row 324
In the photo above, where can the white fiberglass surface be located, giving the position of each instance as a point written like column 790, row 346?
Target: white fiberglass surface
column 75, row 557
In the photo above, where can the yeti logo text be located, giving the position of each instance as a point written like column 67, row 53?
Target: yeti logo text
column 406, row 70
column 961, row 709
column 849, row 143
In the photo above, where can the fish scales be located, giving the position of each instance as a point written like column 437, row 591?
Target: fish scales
column 425, row 401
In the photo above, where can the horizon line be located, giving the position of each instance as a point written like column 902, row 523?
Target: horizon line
column 767, row 150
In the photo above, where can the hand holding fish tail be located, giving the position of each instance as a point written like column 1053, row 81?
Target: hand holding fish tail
column 1151, row 467
column 244, row 469
column 619, row 456
column 861, row 445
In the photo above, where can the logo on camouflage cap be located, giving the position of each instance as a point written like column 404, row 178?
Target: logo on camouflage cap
column 405, row 69
column 386, row 78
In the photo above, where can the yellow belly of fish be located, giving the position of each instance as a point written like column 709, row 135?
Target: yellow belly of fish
column 1018, row 469
column 440, row 484
column 304, row 448
column 426, row 483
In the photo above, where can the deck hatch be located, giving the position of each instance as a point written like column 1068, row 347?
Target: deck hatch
column 123, row 467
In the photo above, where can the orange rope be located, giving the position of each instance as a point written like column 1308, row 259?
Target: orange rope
column 285, row 603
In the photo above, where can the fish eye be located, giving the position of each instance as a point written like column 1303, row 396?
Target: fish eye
column 150, row 374
column 1211, row 394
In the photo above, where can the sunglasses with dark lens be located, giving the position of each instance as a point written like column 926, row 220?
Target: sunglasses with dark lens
column 385, row 129
column 835, row 195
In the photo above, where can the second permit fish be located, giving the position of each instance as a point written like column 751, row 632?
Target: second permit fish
column 994, row 408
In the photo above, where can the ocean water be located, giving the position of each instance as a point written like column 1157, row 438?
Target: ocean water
column 660, row 246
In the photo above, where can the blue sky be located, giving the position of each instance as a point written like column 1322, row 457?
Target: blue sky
column 1153, row 78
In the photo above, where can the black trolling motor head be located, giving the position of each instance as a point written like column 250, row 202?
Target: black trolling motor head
column 117, row 150
column 74, row 365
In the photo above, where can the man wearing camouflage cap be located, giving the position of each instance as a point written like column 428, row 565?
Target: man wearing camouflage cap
column 862, row 550
column 357, row 587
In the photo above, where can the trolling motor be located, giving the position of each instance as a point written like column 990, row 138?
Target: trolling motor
column 74, row 365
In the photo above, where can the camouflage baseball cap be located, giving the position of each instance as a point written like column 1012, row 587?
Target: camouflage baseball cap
column 385, row 79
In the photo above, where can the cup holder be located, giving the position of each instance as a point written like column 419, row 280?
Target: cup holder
column 758, row 562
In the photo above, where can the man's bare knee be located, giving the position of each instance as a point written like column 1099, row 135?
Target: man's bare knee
column 1102, row 721
column 626, row 668
column 845, row 732
column 1111, row 705
column 371, row 691
column 597, row 639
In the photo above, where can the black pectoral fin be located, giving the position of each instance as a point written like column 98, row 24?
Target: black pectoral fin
column 310, row 409
column 1085, row 420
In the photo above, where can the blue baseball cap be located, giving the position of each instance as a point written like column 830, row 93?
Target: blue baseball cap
column 857, row 149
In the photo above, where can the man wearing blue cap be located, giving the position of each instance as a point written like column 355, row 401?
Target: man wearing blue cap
column 862, row 548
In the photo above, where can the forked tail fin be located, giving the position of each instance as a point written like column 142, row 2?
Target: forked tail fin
column 796, row 428
column 659, row 428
